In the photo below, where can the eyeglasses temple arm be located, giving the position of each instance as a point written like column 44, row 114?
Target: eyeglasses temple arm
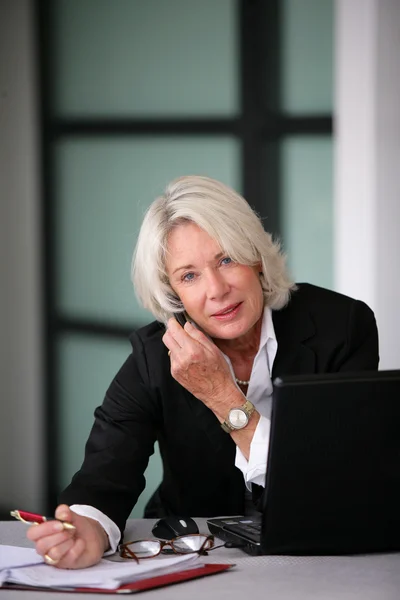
column 125, row 548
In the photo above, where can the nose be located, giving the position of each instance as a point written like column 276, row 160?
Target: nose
column 216, row 285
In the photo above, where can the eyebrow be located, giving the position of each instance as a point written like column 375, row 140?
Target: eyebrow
column 184, row 267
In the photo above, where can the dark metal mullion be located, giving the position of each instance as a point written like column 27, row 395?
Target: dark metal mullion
column 44, row 46
column 264, row 124
column 250, row 65
column 86, row 326
column 271, row 76
column 301, row 125
column 259, row 84
column 132, row 126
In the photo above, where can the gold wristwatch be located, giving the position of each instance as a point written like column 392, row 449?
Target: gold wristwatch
column 238, row 417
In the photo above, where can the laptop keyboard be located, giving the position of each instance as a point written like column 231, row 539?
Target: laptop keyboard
column 247, row 528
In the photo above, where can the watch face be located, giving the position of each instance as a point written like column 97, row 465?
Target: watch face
column 238, row 418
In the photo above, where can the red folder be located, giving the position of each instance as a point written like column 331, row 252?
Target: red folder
column 136, row 586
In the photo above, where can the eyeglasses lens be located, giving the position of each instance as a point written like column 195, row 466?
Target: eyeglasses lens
column 192, row 543
column 145, row 548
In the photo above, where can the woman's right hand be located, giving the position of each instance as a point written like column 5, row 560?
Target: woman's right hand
column 70, row 549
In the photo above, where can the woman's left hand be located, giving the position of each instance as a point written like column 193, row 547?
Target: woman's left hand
column 198, row 365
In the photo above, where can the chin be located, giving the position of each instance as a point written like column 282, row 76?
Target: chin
column 230, row 331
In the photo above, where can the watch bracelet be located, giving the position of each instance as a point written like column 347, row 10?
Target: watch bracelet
column 248, row 407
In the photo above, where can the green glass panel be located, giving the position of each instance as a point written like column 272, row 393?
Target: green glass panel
column 307, row 55
column 145, row 57
column 307, row 209
column 87, row 366
column 103, row 189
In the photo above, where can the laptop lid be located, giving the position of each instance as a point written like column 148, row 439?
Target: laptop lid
column 333, row 473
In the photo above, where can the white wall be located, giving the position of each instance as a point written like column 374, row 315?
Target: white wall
column 367, row 156
column 21, row 429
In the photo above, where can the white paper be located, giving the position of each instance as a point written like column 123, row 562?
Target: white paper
column 14, row 556
column 105, row 575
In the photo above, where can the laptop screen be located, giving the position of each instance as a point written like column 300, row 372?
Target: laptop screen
column 333, row 473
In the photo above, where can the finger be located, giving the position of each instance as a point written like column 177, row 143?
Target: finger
column 171, row 342
column 64, row 513
column 74, row 558
column 59, row 551
column 173, row 327
column 198, row 336
column 49, row 560
column 189, row 339
column 36, row 532
column 44, row 545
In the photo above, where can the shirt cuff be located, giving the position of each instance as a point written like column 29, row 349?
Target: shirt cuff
column 255, row 468
column 107, row 524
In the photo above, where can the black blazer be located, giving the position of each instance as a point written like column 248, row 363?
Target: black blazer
column 318, row 331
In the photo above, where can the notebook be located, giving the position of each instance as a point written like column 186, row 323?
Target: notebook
column 24, row 569
column 333, row 470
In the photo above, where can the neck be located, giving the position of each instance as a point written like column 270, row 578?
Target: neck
column 243, row 347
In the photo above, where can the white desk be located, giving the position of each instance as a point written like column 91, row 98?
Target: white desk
column 373, row 577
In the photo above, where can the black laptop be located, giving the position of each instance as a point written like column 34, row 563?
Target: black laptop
column 333, row 473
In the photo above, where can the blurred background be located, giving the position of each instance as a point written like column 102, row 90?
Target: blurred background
column 294, row 103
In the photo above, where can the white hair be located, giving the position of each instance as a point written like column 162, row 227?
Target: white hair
column 227, row 218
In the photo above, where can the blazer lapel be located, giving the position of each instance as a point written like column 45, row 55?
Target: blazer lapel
column 293, row 328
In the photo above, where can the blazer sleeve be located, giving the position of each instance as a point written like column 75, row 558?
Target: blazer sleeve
column 120, row 443
column 361, row 347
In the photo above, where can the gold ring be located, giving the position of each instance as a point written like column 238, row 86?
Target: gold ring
column 49, row 560
column 169, row 352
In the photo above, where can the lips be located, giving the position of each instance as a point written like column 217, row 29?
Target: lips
column 227, row 311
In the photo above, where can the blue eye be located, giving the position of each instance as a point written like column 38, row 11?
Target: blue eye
column 188, row 277
column 226, row 261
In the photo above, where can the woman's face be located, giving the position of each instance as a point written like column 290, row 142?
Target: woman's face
column 224, row 298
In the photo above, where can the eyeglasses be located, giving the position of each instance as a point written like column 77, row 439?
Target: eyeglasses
column 184, row 544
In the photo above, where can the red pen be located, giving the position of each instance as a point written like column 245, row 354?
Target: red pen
column 28, row 517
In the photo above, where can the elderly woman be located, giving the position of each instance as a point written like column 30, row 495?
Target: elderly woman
column 202, row 390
